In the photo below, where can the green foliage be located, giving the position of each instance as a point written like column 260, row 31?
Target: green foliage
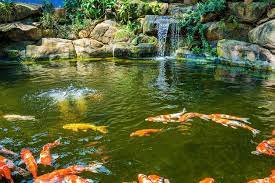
column 194, row 27
column 87, row 9
column 5, row 9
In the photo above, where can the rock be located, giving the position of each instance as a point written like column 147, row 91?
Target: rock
column 86, row 48
column 18, row 31
column 124, row 50
column 248, row 12
column 123, row 35
column 144, row 50
column 104, row 32
column 20, row 11
column 224, row 30
column 210, row 17
column 149, row 25
column 271, row 13
column 186, row 2
column 238, row 51
column 16, row 50
column 51, row 48
column 177, row 9
column 264, row 35
column 83, row 34
column 145, row 39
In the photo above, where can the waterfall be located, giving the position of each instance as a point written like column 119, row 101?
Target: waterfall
column 163, row 24
column 175, row 35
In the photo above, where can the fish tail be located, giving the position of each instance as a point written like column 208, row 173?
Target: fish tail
column 184, row 111
column 102, row 129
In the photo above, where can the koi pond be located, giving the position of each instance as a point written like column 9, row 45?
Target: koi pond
column 124, row 93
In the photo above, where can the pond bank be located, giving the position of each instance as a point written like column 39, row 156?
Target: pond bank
column 241, row 33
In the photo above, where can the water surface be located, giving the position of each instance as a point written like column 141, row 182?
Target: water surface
column 128, row 93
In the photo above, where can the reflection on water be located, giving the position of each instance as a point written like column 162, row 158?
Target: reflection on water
column 121, row 96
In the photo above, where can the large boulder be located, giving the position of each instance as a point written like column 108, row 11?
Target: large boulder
column 51, row 48
column 224, row 30
column 16, row 50
column 248, row 12
column 238, row 51
column 86, row 48
column 177, row 9
column 18, row 31
column 125, row 50
column 19, row 11
column 264, row 35
column 104, row 32
column 149, row 25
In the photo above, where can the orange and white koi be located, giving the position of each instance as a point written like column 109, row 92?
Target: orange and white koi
column 75, row 179
column 207, row 180
column 5, row 172
column 187, row 116
column 45, row 155
column 72, row 170
column 266, row 147
column 270, row 179
column 234, row 124
column 30, row 162
column 225, row 116
column 145, row 132
column 157, row 179
column 166, row 118
column 151, row 179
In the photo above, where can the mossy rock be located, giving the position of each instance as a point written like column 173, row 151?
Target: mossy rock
column 248, row 12
column 145, row 39
column 123, row 35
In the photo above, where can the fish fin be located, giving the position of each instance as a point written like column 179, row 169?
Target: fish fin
column 234, row 127
column 256, row 152
column 184, row 111
column 97, row 168
column 102, row 129
column 255, row 132
column 245, row 120
column 38, row 160
column 20, row 162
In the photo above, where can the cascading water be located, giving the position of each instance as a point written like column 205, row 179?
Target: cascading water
column 163, row 25
column 175, row 36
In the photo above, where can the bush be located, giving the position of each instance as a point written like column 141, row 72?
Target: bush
column 193, row 26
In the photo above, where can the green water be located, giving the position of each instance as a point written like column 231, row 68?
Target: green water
column 130, row 93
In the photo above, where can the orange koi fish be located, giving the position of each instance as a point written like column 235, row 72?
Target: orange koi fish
column 187, row 116
column 75, row 179
column 145, row 132
column 30, row 162
column 273, row 132
column 157, row 179
column 5, row 172
column 234, row 124
column 270, row 179
column 45, row 155
column 151, row 179
column 12, row 166
column 225, row 116
column 207, row 180
column 166, row 118
column 72, row 170
column 266, row 147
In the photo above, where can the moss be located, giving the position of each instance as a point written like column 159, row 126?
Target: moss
column 124, row 35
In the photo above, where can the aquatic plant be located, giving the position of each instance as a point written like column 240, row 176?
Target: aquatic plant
column 194, row 27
